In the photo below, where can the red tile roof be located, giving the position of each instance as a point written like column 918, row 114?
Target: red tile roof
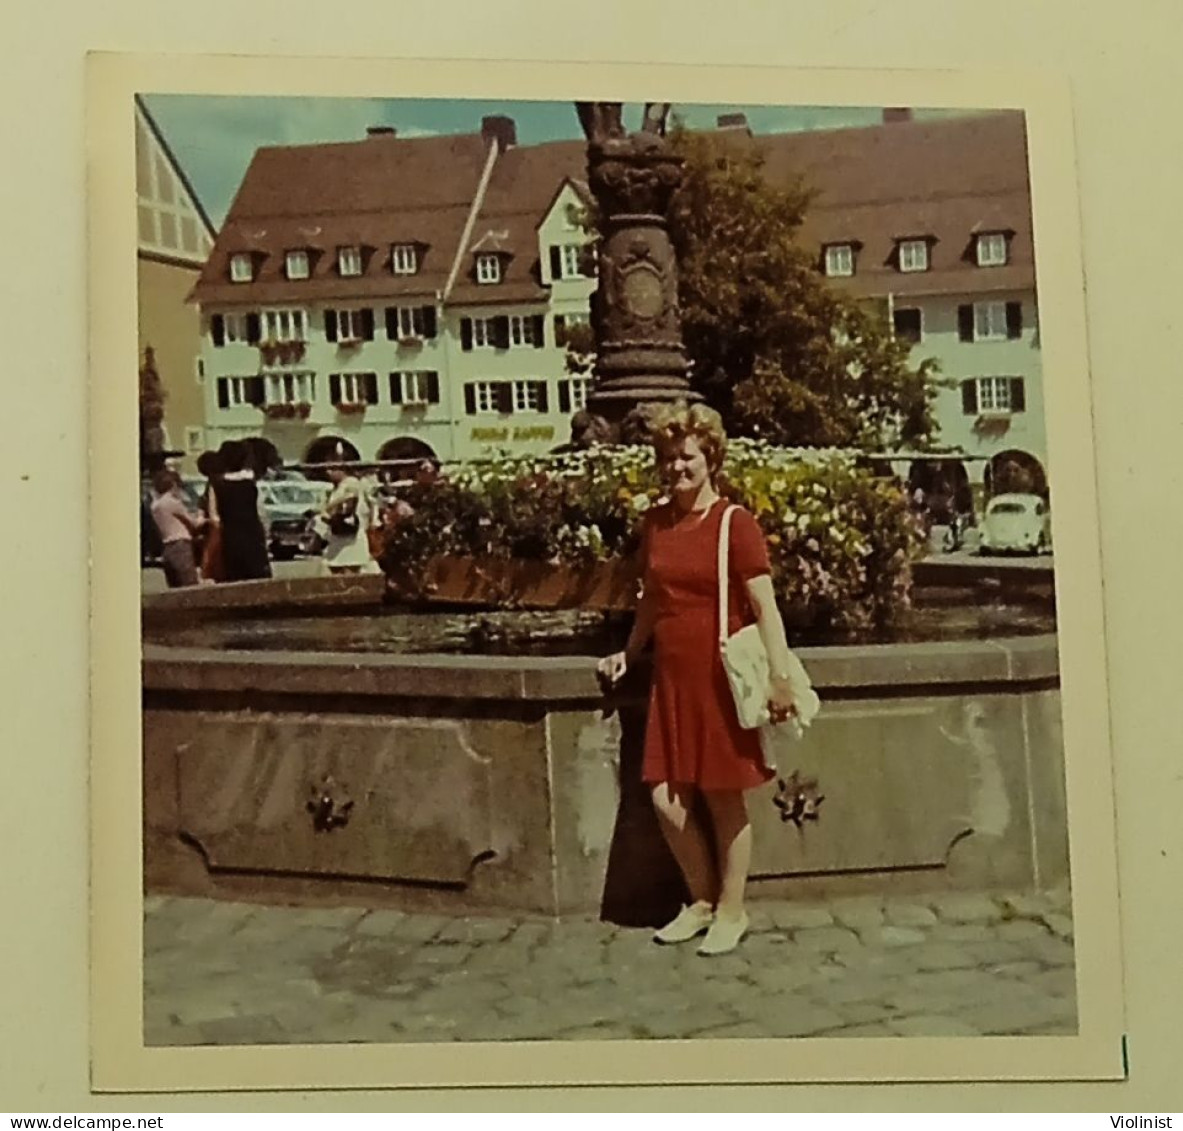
column 374, row 193
column 943, row 178
column 947, row 178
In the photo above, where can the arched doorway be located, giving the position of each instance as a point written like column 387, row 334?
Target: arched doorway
column 941, row 488
column 327, row 449
column 1016, row 472
column 264, row 455
column 409, row 449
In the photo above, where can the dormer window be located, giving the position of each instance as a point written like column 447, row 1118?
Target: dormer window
column 348, row 261
column 296, row 264
column 991, row 249
column 242, row 270
column 839, row 260
column 488, row 269
column 913, row 255
column 403, row 259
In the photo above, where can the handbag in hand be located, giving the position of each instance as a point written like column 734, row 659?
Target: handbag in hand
column 746, row 661
column 343, row 522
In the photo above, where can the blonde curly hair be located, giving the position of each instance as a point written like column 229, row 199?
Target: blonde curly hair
column 671, row 424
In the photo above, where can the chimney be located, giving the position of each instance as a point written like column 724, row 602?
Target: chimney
column 896, row 114
column 737, row 121
column 499, row 128
column 381, row 131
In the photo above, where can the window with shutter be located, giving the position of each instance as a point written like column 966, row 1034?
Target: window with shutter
column 560, row 330
column 466, row 333
column 564, row 397
column 556, row 262
column 255, row 390
column 217, row 329
column 990, row 321
column 470, row 398
column 1018, row 395
column 392, row 323
column 253, row 334
column 504, row 393
column 430, row 326
column 541, row 396
column 969, row 398
column 367, row 324
column 223, row 392
column 396, row 388
column 370, row 387
column 539, row 331
column 433, row 387
column 1014, row 319
column 965, row 323
column 335, row 388
column 331, row 325
column 500, row 327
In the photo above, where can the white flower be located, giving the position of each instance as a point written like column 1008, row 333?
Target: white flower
column 640, row 503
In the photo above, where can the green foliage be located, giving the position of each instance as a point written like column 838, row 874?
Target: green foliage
column 780, row 352
column 841, row 542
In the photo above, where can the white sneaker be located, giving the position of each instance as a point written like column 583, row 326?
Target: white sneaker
column 688, row 923
column 724, row 934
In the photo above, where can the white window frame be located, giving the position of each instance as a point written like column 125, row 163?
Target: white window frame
column 482, row 332
column 488, row 268
column 349, row 325
column 352, row 388
column 296, row 264
column 525, row 395
column 348, row 262
column 236, row 392
column 570, row 255
column 994, row 396
column 913, row 255
column 410, row 322
column 414, row 386
column 990, row 322
column 521, row 330
column 288, row 388
column 242, row 270
column 991, row 249
column 579, row 388
column 404, row 259
column 484, row 397
column 284, row 324
column 840, row 260
column 233, row 328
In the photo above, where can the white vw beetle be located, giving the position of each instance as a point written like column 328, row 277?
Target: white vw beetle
column 1016, row 524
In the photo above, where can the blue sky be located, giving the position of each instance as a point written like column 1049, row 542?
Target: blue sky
column 215, row 136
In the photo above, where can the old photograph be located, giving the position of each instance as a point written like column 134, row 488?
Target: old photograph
column 600, row 575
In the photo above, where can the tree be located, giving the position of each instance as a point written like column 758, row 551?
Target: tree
column 779, row 352
column 151, row 411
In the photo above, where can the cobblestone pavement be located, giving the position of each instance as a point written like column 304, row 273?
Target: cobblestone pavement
column 943, row 965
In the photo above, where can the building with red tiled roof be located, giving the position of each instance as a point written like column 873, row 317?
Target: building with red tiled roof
column 410, row 295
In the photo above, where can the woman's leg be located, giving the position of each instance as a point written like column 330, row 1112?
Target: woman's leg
column 733, row 843
column 685, row 838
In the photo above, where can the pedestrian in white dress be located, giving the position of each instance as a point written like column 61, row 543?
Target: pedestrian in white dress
column 345, row 524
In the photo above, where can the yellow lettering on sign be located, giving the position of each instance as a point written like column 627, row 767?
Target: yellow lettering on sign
column 490, row 435
column 534, row 432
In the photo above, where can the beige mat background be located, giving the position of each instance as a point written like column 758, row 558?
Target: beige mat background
column 1122, row 64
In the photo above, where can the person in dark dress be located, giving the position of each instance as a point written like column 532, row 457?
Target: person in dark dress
column 236, row 496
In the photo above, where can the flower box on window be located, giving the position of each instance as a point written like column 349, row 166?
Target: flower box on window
column 303, row 409
column 279, row 411
column 411, row 341
column 350, row 343
column 289, row 352
column 351, row 408
column 269, row 351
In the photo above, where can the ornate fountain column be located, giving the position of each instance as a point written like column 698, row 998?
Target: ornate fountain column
column 640, row 356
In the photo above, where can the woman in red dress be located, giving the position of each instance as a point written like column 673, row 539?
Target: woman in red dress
column 694, row 743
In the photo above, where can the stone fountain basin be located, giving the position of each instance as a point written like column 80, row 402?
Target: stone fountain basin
column 478, row 783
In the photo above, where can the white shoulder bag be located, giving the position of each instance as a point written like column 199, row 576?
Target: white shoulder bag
column 746, row 661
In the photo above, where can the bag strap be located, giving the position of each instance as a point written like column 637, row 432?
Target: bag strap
column 724, row 580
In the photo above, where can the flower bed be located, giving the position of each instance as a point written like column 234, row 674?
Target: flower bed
column 841, row 541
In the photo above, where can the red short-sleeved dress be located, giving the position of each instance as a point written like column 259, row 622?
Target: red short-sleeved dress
column 694, row 736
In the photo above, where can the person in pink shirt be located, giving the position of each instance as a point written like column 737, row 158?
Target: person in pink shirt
column 177, row 525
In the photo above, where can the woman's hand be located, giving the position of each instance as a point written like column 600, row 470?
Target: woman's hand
column 611, row 669
column 781, row 704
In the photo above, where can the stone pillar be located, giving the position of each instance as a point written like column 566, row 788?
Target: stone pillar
column 640, row 356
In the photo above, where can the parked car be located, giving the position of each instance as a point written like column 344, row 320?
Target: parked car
column 1016, row 523
column 289, row 506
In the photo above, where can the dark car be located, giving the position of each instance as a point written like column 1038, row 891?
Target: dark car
column 289, row 506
